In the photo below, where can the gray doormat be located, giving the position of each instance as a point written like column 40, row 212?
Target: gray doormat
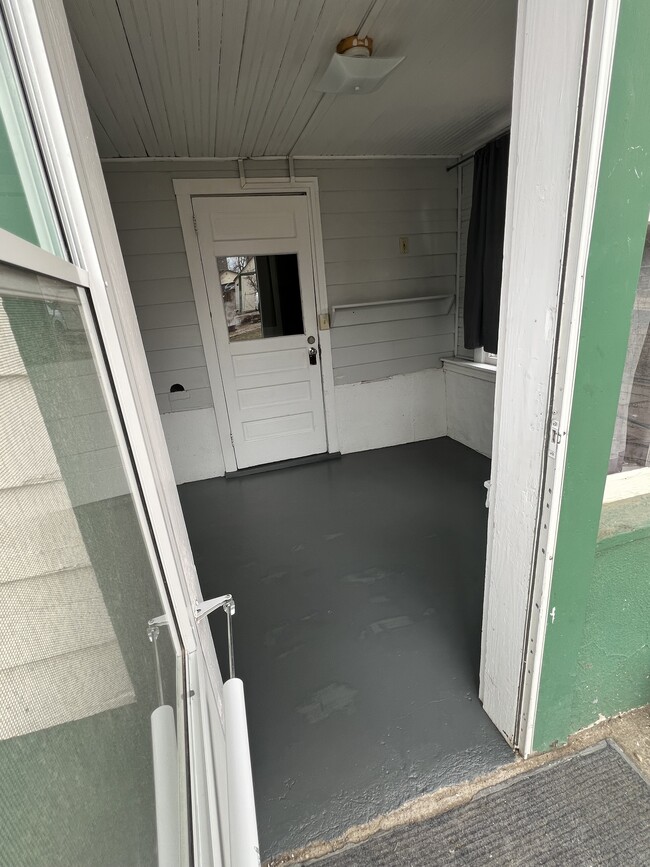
column 590, row 810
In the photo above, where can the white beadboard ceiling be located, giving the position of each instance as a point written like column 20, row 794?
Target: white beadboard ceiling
column 206, row 78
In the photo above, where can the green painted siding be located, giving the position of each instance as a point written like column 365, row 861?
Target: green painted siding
column 588, row 586
column 613, row 671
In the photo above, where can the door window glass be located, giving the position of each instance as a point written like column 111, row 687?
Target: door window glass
column 261, row 295
column 88, row 689
column 26, row 207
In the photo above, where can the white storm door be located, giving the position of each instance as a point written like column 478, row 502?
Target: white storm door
column 257, row 261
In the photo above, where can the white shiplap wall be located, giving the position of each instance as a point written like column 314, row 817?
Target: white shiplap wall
column 366, row 207
column 371, row 343
column 466, row 176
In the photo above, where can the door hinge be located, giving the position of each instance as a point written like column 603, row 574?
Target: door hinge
column 232, row 441
column 556, row 438
column 196, row 228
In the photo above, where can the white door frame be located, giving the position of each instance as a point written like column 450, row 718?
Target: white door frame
column 185, row 190
column 597, row 79
column 282, row 363
column 554, row 157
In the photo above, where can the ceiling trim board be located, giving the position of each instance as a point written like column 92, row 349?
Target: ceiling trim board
column 329, row 157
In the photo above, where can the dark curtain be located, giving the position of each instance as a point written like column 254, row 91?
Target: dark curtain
column 485, row 245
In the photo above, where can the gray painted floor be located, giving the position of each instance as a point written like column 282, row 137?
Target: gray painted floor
column 359, row 588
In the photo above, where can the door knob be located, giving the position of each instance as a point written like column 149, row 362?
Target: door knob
column 313, row 355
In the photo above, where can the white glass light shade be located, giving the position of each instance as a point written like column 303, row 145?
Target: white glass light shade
column 356, row 74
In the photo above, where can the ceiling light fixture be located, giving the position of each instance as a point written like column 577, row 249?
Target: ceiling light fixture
column 353, row 69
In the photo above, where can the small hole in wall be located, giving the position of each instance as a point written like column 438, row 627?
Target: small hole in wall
column 177, row 387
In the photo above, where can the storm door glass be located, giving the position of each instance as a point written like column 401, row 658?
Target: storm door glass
column 261, row 296
column 88, row 687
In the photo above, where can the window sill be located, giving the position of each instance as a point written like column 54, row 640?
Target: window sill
column 464, row 367
column 623, row 486
column 626, row 508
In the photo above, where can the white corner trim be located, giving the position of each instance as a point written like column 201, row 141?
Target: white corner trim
column 185, row 189
column 475, row 369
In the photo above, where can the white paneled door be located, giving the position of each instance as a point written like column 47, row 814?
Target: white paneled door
column 257, row 260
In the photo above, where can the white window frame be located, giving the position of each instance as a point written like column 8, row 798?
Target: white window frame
column 483, row 357
column 16, row 251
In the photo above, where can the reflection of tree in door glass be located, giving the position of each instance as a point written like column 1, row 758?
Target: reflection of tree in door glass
column 261, row 295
